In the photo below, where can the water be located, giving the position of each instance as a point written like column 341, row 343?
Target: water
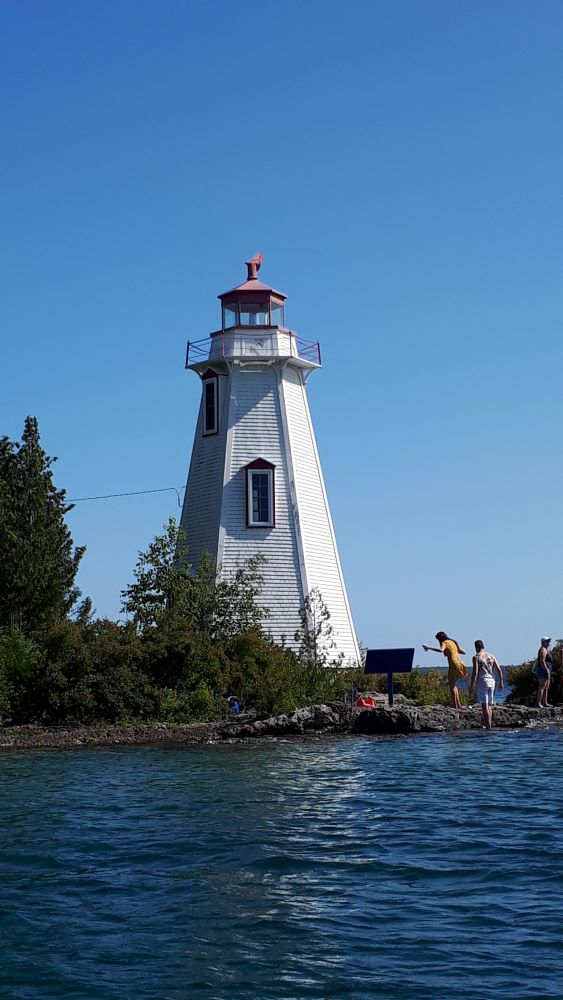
column 413, row 868
column 463, row 685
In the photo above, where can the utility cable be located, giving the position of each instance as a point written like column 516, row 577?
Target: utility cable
column 133, row 493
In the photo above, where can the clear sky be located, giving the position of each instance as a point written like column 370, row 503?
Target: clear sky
column 400, row 166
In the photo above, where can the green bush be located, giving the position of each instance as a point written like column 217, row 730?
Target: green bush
column 524, row 683
column 20, row 671
column 101, row 672
column 425, row 688
column 178, row 657
column 272, row 680
column 92, row 673
column 198, row 705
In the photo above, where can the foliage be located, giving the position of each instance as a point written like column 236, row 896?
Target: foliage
column 424, row 687
column 187, row 667
column 524, row 685
column 20, row 666
column 84, row 674
column 96, row 673
column 271, row 679
column 237, row 609
column 162, row 579
column 316, row 635
column 38, row 564
column 165, row 591
column 193, row 636
column 192, row 640
column 199, row 705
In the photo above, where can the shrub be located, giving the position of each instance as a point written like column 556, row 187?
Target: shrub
column 424, row 687
column 272, row 680
column 93, row 673
column 20, row 669
column 198, row 705
column 524, row 684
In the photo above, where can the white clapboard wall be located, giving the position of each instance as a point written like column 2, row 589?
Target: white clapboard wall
column 263, row 414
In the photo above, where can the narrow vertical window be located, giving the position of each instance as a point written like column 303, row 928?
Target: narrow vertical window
column 210, row 421
column 260, row 494
column 260, row 488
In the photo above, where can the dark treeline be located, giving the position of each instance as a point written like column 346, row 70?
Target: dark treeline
column 187, row 642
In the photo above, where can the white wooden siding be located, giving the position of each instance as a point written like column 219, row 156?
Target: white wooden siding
column 320, row 553
column 256, row 431
column 263, row 413
column 201, row 511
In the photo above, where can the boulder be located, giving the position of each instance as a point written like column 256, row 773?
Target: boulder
column 441, row 718
column 315, row 718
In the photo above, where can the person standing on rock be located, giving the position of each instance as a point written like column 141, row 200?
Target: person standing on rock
column 542, row 669
column 456, row 667
column 485, row 665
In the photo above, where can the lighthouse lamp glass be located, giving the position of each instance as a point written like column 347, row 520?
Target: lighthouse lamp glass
column 254, row 314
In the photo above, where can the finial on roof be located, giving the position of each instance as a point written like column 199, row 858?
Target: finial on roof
column 253, row 266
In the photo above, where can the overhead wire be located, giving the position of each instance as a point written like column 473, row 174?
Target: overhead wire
column 132, row 493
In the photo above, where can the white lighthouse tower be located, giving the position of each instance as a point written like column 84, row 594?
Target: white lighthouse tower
column 255, row 483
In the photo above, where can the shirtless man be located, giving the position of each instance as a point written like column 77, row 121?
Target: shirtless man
column 485, row 665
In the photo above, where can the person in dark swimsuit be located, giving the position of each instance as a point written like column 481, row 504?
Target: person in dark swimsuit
column 544, row 664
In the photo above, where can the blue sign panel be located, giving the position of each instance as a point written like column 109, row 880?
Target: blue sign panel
column 389, row 661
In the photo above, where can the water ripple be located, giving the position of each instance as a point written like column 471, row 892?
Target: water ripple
column 419, row 868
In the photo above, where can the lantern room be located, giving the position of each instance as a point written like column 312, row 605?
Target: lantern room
column 253, row 326
column 253, row 303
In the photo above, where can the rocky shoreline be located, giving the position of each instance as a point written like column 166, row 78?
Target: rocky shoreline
column 317, row 720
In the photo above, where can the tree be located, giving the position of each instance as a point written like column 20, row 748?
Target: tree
column 237, row 609
column 38, row 563
column 315, row 636
column 162, row 579
column 167, row 594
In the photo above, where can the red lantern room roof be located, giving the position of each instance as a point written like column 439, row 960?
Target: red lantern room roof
column 252, row 285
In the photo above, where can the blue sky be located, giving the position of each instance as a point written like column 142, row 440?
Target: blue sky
column 399, row 164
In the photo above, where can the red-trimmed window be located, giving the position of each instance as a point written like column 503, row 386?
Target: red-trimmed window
column 260, row 494
column 210, row 402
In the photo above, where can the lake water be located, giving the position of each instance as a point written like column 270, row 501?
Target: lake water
column 426, row 867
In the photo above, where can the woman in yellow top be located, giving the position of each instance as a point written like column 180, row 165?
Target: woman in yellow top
column 456, row 668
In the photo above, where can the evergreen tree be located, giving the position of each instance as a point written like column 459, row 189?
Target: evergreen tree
column 38, row 563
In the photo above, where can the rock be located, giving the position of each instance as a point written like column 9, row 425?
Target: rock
column 401, row 720
column 438, row 718
column 386, row 721
column 316, row 718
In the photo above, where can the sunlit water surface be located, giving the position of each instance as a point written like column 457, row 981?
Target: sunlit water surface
column 425, row 867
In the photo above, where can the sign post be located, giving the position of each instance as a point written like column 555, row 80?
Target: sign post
column 389, row 661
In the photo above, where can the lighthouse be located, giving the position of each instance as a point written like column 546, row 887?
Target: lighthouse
column 255, row 483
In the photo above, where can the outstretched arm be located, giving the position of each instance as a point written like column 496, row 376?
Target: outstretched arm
column 431, row 649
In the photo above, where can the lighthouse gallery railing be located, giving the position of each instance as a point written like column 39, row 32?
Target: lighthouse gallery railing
column 255, row 343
